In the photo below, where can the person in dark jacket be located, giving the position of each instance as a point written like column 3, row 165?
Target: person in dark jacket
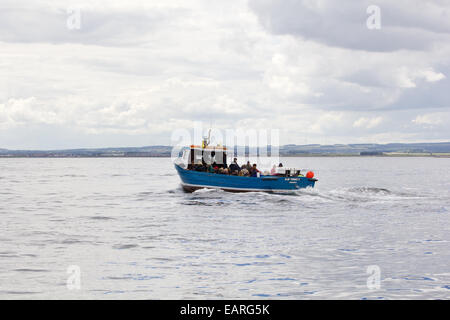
column 199, row 166
column 234, row 166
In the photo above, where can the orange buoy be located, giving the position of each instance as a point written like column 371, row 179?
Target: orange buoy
column 310, row 174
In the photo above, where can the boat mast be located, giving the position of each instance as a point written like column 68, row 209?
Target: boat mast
column 206, row 140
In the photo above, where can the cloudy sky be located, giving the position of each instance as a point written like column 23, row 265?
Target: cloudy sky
column 128, row 73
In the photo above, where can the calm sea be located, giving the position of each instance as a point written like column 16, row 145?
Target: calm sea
column 123, row 229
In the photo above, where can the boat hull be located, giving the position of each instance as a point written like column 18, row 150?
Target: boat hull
column 194, row 180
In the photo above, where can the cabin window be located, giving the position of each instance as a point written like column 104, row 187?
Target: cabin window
column 197, row 155
column 219, row 157
column 208, row 157
column 194, row 155
column 185, row 157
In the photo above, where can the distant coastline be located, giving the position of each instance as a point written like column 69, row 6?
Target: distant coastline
column 282, row 155
column 439, row 149
column 384, row 155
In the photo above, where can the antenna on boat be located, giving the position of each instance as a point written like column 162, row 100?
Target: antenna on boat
column 206, row 140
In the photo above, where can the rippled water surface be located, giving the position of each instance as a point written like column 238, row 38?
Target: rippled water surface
column 135, row 234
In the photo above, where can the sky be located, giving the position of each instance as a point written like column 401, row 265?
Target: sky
column 128, row 73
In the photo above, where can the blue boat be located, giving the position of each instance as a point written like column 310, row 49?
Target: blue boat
column 192, row 179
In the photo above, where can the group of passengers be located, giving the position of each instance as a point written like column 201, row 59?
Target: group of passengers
column 246, row 170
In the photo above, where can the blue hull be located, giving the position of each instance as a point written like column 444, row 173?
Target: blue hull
column 193, row 180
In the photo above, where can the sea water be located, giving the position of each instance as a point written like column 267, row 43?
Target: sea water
column 122, row 228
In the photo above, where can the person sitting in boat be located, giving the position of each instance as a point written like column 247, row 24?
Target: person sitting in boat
column 254, row 172
column 244, row 173
column 234, row 166
column 247, row 166
column 210, row 169
column 199, row 166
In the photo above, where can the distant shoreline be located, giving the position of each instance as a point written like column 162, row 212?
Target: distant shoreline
column 370, row 156
column 398, row 155
column 436, row 150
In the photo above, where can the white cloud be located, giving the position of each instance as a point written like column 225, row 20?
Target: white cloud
column 431, row 119
column 16, row 112
column 137, row 70
column 431, row 76
column 368, row 123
